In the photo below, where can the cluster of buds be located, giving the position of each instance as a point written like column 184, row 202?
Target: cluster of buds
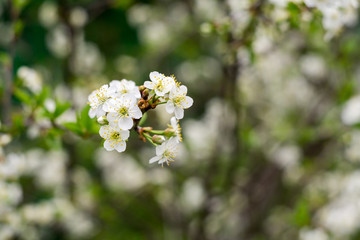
column 121, row 105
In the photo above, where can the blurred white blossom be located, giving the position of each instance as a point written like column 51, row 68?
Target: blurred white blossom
column 58, row 41
column 351, row 111
column 48, row 14
column 78, row 17
column 313, row 234
column 31, row 78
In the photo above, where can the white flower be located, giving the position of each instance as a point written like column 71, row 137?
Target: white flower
column 166, row 152
column 97, row 99
column 114, row 138
column 176, row 126
column 122, row 110
column 160, row 83
column 124, row 86
column 178, row 101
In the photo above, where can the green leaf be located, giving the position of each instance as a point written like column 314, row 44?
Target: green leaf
column 41, row 97
column 23, row 96
column 61, row 108
column 74, row 127
column 88, row 125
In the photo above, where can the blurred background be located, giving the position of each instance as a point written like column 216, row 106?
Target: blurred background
column 271, row 145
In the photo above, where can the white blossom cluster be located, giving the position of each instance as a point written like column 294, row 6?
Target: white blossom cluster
column 336, row 14
column 120, row 106
column 46, row 169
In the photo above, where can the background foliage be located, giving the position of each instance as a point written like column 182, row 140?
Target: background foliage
column 271, row 144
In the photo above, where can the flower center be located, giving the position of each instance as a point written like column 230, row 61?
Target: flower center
column 100, row 99
column 160, row 86
column 124, row 112
column 169, row 155
column 116, row 136
column 178, row 100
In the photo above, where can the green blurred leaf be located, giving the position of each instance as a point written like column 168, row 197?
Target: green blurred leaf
column 41, row 97
column 122, row 3
column 18, row 27
column 74, row 127
column 295, row 14
column 61, row 108
column 20, row 4
column 23, row 96
column 302, row 214
column 88, row 124
column 4, row 58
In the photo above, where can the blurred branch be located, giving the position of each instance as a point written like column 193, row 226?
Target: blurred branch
column 261, row 190
column 232, row 71
column 9, row 68
column 97, row 8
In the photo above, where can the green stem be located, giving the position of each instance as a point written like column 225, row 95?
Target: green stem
column 157, row 132
column 152, row 99
column 143, row 119
column 161, row 103
column 148, row 137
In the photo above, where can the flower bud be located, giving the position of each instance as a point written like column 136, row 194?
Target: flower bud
column 147, row 129
column 102, row 120
column 142, row 88
column 143, row 104
column 158, row 139
column 170, row 132
column 145, row 93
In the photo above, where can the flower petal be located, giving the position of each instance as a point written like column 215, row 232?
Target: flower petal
column 135, row 112
column 168, row 83
column 179, row 113
column 113, row 119
column 124, row 134
column 154, row 159
column 105, row 132
column 155, row 76
column 135, row 92
column 120, row 146
column 125, row 123
column 115, row 83
column 92, row 113
column 188, row 102
column 100, row 112
column 160, row 149
column 183, row 89
column 110, row 105
column 173, row 122
column 149, row 84
column 109, row 144
column 159, row 93
column 170, row 107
